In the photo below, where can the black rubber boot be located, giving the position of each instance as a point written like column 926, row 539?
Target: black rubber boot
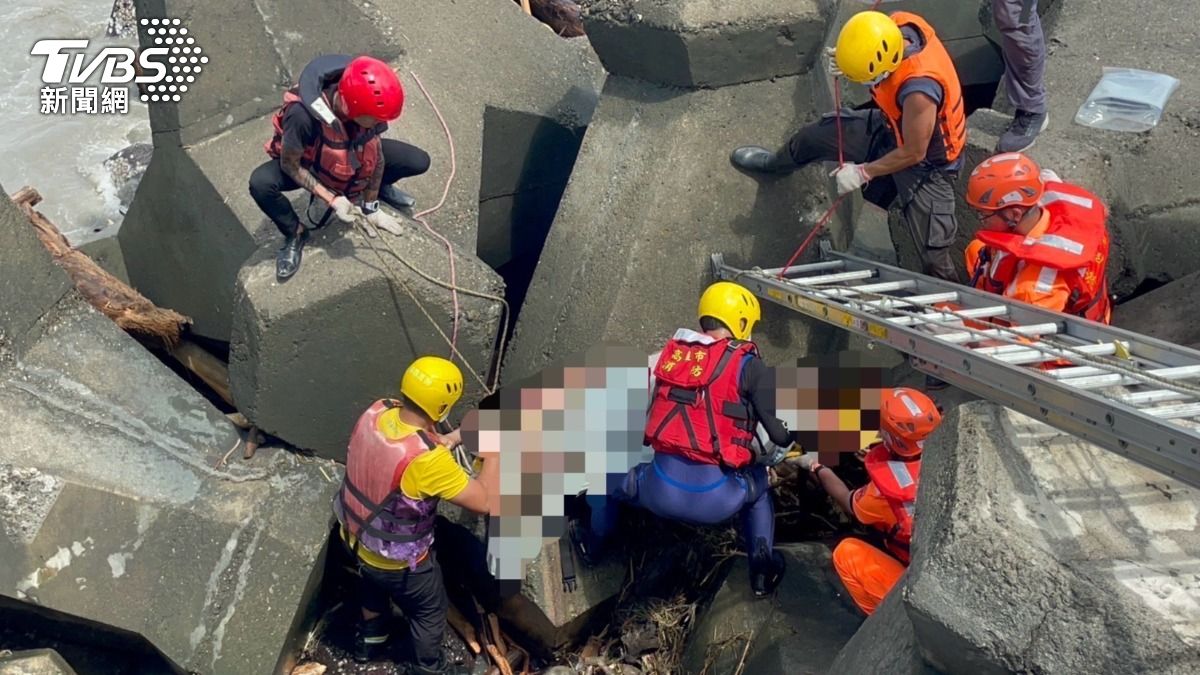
column 440, row 669
column 287, row 261
column 758, row 160
column 371, row 639
column 766, row 570
column 395, row 197
column 586, row 543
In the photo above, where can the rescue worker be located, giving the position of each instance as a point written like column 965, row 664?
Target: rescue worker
column 1024, row 47
column 711, row 397
column 397, row 469
column 328, row 140
column 906, row 418
column 909, row 149
column 1041, row 240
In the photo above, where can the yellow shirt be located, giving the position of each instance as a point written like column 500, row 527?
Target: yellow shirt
column 432, row 475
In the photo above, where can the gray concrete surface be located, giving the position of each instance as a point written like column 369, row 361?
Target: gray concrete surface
column 1035, row 552
column 112, row 507
column 885, row 643
column 193, row 223
column 653, row 194
column 30, row 282
column 684, row 43
column 799, row 629
column 34, row 662
column 1164, row 313
column 310, row 355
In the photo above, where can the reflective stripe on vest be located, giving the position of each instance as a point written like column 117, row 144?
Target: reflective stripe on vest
column 342, row 164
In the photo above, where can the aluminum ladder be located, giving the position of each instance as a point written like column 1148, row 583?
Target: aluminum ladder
column 1132, row 394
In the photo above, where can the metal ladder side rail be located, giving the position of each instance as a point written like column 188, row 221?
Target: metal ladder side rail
column 1132, row 432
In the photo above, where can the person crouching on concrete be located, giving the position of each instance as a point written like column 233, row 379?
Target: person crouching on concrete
column 906, row 417
column 1041, row 240
column 710, row 394
column 397, row 469
column 328, row 140
column 909, row 149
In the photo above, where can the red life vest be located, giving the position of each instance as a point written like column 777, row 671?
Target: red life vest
column 1075, row 241
column 342, row 163
column 370, row 504
column 696, row 410
column 934, row 62
column 897, row 480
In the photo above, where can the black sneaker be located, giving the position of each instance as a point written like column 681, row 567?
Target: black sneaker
column 1022, row 131
column 369, row 647
column 766, row 577
column 396, row 198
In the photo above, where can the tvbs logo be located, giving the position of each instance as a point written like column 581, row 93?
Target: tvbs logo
column 162, row 71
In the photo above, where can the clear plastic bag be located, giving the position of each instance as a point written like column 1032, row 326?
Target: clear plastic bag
column 1126, row 99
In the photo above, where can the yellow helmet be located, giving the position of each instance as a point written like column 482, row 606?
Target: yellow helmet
column 434, row 385
column 733, row 306
column 869, row 47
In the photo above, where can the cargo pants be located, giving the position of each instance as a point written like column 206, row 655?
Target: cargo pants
column 1024, row 46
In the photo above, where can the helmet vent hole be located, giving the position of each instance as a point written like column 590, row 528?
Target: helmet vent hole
column 870, row 67
column 896, row 57
column 885, row 47
column 879, row 56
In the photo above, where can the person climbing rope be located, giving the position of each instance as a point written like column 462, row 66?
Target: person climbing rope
column 906, row 418
column 711, row 398
column 328, row 140
column 397, row 469
column 910, row 149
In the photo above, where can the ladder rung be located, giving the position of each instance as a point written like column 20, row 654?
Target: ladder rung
column 1175, row 411
column 1029, row 355
column 942, row 317
column 929, row 299
column 883, row 287
column 965, row 336
column 832, row 278
column 1153, row 396
column 1176, row 373
column 810, row 267
column 1076, row 371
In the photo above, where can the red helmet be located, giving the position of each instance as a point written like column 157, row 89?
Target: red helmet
column 906, row 418
column 370, row 87
column 1007, row 179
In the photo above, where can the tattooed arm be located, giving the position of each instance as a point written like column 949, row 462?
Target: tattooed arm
column 371, row 194
column 289, row 160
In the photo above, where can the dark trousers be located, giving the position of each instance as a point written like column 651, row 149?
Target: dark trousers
column 269, row 182
column 418, row 593
column 926, row 195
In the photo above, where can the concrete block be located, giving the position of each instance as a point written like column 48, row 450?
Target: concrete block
column 118, row 515
column 1035, row 552
column 310, row 355
column 30, row 282
column 1164, row 313
column 799, row 629
column 682, row 43
column 652, row 196
column 34, row 662
column 515, row 109
column 885, row 643
column 107, row 254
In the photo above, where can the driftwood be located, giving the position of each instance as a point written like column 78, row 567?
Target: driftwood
column 130, row 310
column 562, row 16
column 464, row 629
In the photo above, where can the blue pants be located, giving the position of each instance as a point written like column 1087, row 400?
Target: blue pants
column 701, row 494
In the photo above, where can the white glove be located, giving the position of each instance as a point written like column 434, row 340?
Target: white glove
column 344, row 209
column 806, row 461
column 831, row 62
column 850, row 177
column 386, row 222
column 1048, row 176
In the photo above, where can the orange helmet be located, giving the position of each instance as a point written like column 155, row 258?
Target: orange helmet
column 1008, row 179
column 906, row 418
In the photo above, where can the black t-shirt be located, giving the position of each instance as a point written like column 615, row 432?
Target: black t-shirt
column 757, row 386
column 301, row 129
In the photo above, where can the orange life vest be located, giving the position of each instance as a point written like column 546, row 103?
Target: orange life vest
column 342, row 163
column 1075, row 242
column 933, row 62
column 897, row 480
column 696, row 410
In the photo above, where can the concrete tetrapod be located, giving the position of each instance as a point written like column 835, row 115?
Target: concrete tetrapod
column 1035, row 552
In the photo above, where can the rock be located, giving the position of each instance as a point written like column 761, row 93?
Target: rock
column 126, row 168
column 34, row 662
column 885, row 643
column 799, row 629
column 701, row 44
column 310, row 355
column 516, row 109
column 1035, row 552
column 122, row 21
column 113, row 510
column 1164, row 313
